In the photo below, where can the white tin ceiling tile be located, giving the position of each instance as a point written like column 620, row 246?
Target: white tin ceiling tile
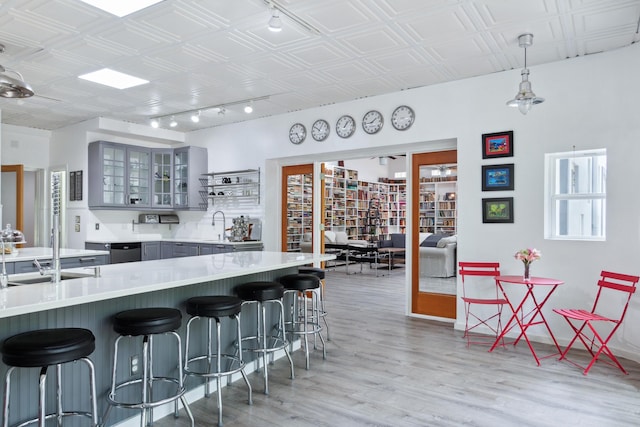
column 598, row 20
column 602, row 44
column 438, row 26
column 128, row 38
column 348, row 72
column 373, row 41
column 178, row 25
column 409, row 7
column 274, row 66
column 472, row 47
column 223, row 47
column 227, row 12
column 316, row 54
column 69, row 14
column 463, row 69
column 407, row 79
column 25, row 32
column 338, row 16
column 399, row 60
column 309, row 78
column 496, row 12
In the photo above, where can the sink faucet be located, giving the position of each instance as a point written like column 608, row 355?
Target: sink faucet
column 4, row 277
column 224, row 223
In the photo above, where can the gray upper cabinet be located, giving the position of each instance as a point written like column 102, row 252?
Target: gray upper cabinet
column 130, row 177
column 119, row 176
column 189, row 163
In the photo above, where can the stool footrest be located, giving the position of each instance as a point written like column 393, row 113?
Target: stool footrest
column 230, row 365
column 275, row 343
column 173, row 395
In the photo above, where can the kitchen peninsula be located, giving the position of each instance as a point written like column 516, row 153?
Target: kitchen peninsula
column 90, row 302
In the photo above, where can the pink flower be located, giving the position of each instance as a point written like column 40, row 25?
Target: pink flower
column 527, row 256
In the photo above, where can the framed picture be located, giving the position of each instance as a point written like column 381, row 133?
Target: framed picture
column 497, row 177
column 498, row 210
column 498, row 144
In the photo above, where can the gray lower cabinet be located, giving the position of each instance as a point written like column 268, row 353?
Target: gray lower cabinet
column 71, row 262
column 178, row 249
column 151, row 250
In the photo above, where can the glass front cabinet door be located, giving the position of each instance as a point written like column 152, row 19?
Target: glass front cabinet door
column 189, row 164
column 162, row 174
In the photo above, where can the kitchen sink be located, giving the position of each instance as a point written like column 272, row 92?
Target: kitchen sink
column 29, row 279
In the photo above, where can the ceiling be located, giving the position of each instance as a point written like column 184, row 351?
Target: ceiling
column 215, row 52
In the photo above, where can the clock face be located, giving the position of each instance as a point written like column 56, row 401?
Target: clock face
column 372, row 122
column 297, row 133
column 320, row 130
column 402, row 117
column 345, row 126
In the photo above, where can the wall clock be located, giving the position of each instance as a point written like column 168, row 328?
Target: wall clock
column 372, row 122
column 402, row 117
column 297, row 133
column 345, row 126
column 320, row 130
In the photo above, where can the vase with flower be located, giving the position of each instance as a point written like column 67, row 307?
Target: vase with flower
column 527, row 256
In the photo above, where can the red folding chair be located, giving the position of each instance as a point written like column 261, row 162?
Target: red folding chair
column 492, row 320
column 595, row 330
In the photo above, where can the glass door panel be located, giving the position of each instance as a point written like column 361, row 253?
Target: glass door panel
column 139, row 168
column 434, row 217
column 297, row 212
column 161, row 179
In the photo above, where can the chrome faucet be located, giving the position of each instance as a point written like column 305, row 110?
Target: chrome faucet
column 224, row 223
column 4, row 277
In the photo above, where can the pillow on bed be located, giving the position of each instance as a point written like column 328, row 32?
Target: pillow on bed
column 445, row 241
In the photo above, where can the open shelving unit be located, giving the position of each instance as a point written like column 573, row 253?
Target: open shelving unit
column 232, row 185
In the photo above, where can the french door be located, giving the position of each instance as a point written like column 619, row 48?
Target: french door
column 423, row 301
column 297, row 208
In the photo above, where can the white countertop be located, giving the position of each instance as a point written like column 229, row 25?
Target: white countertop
column 29, row 254
column 120, row 280
column 187, row 240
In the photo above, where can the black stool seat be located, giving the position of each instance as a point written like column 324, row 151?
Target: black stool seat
column 46, row 347
column 318, row 272
column 214, row 306
column 259, row 291
column 147, row 321
column 300, row 282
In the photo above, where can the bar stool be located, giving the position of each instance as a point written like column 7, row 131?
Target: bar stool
column 209, row 365
column 147, row 322
column 264, row 294
column 41, row 349
column 301, row 286
column 319, row 273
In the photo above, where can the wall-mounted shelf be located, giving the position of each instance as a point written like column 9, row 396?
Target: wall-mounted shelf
column 231, row 185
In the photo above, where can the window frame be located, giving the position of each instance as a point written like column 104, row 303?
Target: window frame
column 552, row 196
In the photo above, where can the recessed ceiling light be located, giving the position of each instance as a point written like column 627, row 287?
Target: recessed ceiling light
column 121, row 8
column 113, row 78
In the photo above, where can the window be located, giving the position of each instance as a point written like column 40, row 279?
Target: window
column 575, row 196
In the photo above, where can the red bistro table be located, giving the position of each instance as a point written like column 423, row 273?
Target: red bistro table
column 545, row 288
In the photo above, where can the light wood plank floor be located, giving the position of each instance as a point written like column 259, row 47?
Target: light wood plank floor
column 385, row 369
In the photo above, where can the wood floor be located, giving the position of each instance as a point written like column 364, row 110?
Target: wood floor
column 385, row 369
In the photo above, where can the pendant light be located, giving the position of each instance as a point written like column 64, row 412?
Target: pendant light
column 525, row 98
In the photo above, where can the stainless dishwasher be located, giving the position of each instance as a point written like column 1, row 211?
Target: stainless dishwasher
column 125, row 252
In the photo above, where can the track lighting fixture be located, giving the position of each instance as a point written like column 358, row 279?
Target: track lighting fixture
column 275, row 23
column 196, row 115
column 525, row 98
